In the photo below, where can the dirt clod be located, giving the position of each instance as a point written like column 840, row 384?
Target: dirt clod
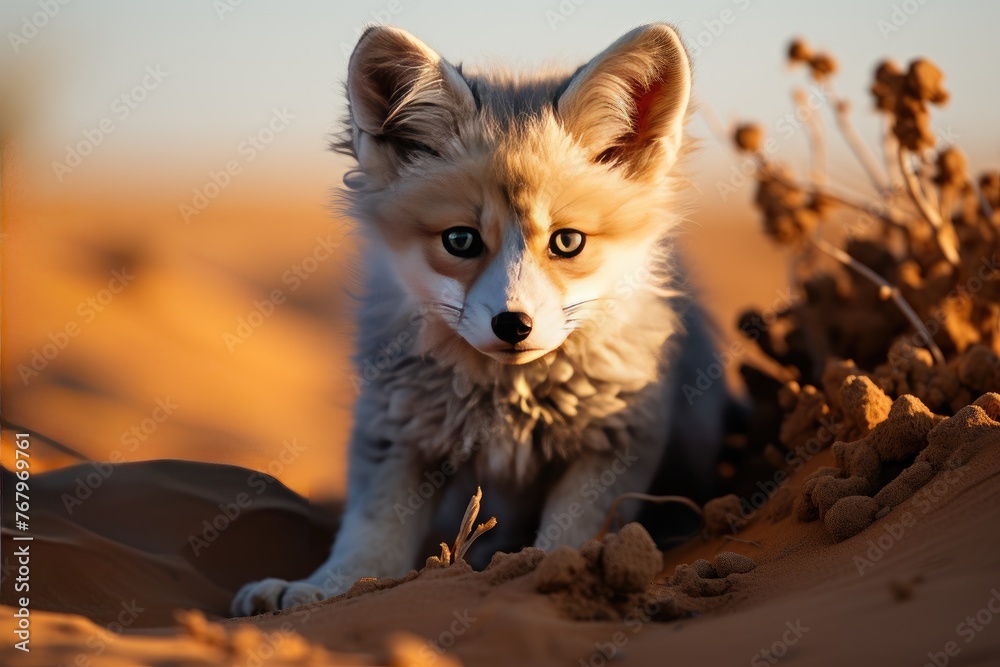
column 850, row 515
column 729, row 562
column 630, row 559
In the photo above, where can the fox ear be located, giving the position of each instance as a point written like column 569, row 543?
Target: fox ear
column 404, row 99
column 627, row 106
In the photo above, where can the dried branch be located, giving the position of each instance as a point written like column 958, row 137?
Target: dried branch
column 742, row 541
column 466, row 535
column 612, row 511
column 984, row 203
column 930, row 214
column 888, row 288
column 890, row 217
column 480, row 529
column 890, row 147
column 857, row 144
column 947, row 204
column 817, row 145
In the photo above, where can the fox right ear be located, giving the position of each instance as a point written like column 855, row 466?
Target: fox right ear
column 404, row 100
column 628, row 105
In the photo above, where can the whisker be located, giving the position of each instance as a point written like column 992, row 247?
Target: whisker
column 446, row 306
column 450, row 313
column 573, row 307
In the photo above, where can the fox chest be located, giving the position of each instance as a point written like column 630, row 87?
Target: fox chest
column 508, row 428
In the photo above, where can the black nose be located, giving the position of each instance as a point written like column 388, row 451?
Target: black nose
column 511, row 327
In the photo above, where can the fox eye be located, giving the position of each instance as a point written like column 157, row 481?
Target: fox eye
column 463, row 242
column 567, row 243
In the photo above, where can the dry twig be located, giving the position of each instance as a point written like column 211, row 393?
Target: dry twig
column 466, row 535
column 612, row 511
column 888, row 289
column 945, row 240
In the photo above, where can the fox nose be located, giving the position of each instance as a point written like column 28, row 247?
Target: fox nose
column 511, row 327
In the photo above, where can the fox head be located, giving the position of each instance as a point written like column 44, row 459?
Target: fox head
column 515, row 208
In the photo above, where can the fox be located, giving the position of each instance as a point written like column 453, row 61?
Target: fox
column 525, row 322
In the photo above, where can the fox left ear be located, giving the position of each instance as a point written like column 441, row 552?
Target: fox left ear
column 627, row 106
column 404, row 99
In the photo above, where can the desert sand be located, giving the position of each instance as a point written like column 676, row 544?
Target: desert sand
column 918, row 582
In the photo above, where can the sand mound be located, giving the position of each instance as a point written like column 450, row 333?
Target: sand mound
column 709, row 579
column 852, row 495
column 603, row 580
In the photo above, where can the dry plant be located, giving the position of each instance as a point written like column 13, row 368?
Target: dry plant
column 912, row 296
column 612, row 514
column 466, row 535
column 927, row 240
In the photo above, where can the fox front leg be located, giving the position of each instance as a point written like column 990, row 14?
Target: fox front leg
column 379, row 537
column 577, row 505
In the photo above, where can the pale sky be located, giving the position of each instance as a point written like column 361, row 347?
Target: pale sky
column 228, row 64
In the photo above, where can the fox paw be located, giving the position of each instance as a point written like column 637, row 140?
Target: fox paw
column 259, row 597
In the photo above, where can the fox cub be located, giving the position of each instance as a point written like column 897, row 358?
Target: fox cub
column 524, row 324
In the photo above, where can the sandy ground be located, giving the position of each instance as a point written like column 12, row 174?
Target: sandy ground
column 918, row 583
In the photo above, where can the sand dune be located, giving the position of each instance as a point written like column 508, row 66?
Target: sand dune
column 96, row 553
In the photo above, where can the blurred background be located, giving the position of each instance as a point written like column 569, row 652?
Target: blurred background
column 174, row 275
